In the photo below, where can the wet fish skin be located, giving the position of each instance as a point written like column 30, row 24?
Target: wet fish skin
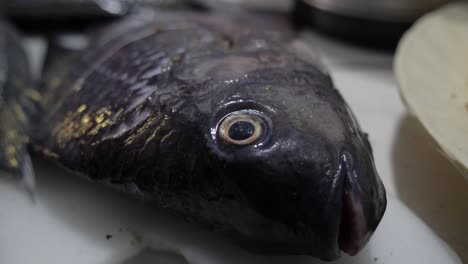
column 140, row 110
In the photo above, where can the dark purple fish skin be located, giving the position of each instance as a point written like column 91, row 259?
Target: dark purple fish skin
column 141, row 110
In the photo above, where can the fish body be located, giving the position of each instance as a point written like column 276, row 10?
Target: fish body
column 219, row 121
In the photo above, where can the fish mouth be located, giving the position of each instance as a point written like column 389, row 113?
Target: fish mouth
column 353, row 230
column 360, row 212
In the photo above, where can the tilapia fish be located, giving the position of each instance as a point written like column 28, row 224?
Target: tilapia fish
column 219, row 121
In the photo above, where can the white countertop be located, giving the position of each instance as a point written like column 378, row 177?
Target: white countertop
column 71, row 218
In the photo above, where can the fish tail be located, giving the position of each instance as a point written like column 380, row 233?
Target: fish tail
column 14, row 156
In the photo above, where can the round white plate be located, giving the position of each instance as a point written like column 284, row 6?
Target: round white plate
column 432, row 70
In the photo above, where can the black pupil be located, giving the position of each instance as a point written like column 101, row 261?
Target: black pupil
column 241, row 130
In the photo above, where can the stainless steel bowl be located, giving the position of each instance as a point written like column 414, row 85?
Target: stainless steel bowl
column 387, row 10
column 374, row 23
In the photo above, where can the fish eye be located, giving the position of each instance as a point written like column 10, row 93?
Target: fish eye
column 241, row 128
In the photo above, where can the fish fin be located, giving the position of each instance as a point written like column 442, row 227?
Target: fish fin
column 27, row 176
column 14, row 156
column 18, row 163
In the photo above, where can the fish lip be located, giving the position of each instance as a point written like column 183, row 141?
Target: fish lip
column 355, row 228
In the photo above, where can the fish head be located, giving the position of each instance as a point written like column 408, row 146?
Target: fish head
column 296, row 154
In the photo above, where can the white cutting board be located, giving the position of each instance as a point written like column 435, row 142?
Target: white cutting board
column 75, row 221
